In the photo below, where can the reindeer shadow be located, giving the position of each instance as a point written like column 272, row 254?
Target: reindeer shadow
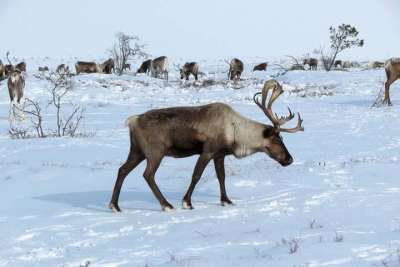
column 98, row 200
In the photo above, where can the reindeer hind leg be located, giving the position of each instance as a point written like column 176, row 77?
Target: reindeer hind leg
column 134, row 159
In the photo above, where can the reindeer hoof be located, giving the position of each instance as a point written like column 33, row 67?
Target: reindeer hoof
column 227, row 202
column 114, row 207
column 186, row 205
column 168, row 208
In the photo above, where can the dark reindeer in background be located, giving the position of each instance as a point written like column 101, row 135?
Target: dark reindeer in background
column 145, row 67
column 159, row 66
column 189, row 68
column 16, row 84
column 260, row 67
column 235, row 69
column 213, row 131
column 311, row 62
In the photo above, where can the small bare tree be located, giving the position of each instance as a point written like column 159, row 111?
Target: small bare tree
column 343, row 37
column 123, row 50
column 61, row 84
column 34, row 111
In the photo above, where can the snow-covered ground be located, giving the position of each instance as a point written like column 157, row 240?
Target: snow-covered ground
column 336, row 205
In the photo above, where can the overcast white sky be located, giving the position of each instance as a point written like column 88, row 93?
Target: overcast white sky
column 196, row 29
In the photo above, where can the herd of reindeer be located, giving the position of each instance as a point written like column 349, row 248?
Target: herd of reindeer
column 211, row 131
column 158, row 67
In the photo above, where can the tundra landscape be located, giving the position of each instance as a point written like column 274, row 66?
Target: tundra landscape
column 134, row 157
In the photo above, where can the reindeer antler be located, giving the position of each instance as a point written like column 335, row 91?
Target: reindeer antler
column 267, row 109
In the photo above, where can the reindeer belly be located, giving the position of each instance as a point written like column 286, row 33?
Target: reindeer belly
column 185, row 148
column 185, row 143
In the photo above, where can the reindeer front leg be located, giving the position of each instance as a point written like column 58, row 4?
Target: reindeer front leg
column 201, row 164
column 386, row 100
column 219, row 164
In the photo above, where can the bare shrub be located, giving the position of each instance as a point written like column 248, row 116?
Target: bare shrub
column 61, row 84
column 67, row 123
column 34, row 111
column 123, row 51
column 16, row 132
column 338, row 237
column 315, row 225
column 292, row 244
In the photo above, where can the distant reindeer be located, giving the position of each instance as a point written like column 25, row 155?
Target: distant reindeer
column 21, row 66
column 260, row 67
column 127, row 66
column 347, row 64
column 159, row 66
column 376, row 64
column 62, row 68
column 16, row 84
column 392, row 69
column 2, row 71
column 338, row 63
column 235, row 69
column 8, row 69
column 43, row 69
column 311, row 62
column 108, row 66
column 87, row 67
column 145, row 67
column 213, row 131
column 189, row 68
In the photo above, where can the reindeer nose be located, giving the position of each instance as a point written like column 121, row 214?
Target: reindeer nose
column 287, row 162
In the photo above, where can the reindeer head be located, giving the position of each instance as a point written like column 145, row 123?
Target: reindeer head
column 272, row 140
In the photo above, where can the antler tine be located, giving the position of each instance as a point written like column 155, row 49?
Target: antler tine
column 298, row 127
column 284, row 119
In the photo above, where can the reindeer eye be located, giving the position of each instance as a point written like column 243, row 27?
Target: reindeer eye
column 268, row 132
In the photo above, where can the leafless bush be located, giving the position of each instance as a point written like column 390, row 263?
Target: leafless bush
column 338, row 237
column 379, row 98
column 86, row 264
column 67, row 124
column 34, row 111
column 16, row 132
column 315, row 225
column 61, row 84
column 292, row 244
column 179, row 262
column 123, row 50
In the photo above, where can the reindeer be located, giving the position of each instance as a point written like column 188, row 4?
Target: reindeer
column 21, row 66
column 87, row 67
column 338, row 63
column 145, row 67
column 159, row 66
column 108, row 66
column 2, row 71
column 213, row 131
column 189, row 68
column 62, row 68
column 261, row 67
column 43, row 69
column 311, row 62
column 127, row 66
column 235, row 69
column 392, row 69
column 16, row 84
column 8, row 69
column 376, row 64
